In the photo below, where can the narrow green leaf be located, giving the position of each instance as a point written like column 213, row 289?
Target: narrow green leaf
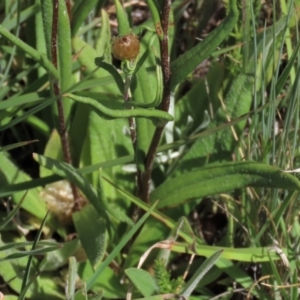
column 26, row 99
column 16, row 145
column 16, row 245
column 81, row 13
column 6, row 190
column 281, row 81
column 65, row 55
column 71, row 285
column 161, row 297
column 200, row 273
column 30, row 258
column 155, row 12
column 220, row 178
column 103, row 43
column 123, row 22
column 12, row 214
column 158, row 117
column 21, row 254
column 27, row 286
column 47, row 17
column 112, row 71
column 24, row 15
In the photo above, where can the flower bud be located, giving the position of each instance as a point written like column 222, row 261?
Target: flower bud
column 126, row 47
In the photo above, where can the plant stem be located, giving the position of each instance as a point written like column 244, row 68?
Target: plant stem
column 60, row 108
column 164, row 48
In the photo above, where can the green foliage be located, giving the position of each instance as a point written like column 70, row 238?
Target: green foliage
column 104, row 163
column 163, row 278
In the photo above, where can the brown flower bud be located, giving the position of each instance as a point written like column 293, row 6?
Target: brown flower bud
column 126, row 47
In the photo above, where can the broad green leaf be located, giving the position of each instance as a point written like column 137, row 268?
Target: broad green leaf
column 106, row 140
column 143, row 281
column 220, row 178
column 91, row 229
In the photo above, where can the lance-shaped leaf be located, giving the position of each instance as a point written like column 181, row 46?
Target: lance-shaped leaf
column 220, row 178
column 200, row 273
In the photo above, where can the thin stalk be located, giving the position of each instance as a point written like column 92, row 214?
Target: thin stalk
column 164, row 48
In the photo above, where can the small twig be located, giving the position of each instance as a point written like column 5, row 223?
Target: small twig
column 164, row 46
column 56, row 88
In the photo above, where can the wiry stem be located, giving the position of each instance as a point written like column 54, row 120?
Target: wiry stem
column 165, row 101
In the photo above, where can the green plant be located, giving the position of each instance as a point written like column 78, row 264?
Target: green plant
column 115, row 138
